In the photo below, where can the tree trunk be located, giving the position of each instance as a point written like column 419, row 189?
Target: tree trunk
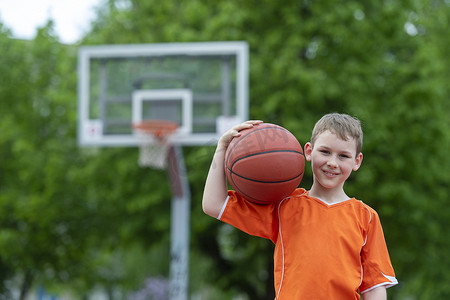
column 26, row 284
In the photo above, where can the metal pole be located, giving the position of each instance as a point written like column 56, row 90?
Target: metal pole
column 226, row 87
column 179, row 225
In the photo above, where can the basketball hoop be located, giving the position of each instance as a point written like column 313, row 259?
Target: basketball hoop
column 154, row 142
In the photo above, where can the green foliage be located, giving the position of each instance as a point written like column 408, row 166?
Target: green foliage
column 65, row 212
column 87, row 217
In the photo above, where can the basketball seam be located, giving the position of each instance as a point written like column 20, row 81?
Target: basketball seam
column 265, row 152
column 262, row 181
column 254, row 198
column 258, row 201
column 259, row 153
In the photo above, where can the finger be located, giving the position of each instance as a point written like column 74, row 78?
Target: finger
column 236, row 131
column 246, row 125
column 254, row 122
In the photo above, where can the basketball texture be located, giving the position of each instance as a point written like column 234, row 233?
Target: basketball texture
column 265, row 163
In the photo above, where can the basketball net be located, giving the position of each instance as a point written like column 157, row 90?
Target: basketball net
column 154, row 142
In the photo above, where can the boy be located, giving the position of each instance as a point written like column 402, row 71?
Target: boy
column 328, row 245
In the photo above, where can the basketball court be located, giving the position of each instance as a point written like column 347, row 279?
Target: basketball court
column 160, row 98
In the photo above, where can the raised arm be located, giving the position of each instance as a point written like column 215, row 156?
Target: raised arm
column 378, row 293
column 215, row 192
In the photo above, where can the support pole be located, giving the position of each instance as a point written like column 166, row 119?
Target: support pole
column 179, row 226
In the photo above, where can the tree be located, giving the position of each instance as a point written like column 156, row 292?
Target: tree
column 33, row 235
column 65, row 211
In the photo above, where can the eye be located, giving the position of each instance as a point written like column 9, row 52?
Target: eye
column 344, row 156
column 324, row 151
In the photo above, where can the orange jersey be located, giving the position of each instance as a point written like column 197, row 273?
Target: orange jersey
column 322, row 251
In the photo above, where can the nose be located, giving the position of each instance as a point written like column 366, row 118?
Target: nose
column 332, row 162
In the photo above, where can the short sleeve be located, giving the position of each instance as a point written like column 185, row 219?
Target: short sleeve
column 254, row 219
column 377, row 269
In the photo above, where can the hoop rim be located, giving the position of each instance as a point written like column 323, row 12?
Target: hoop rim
column 157, row 128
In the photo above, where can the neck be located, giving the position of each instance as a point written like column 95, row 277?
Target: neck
column 330, row 196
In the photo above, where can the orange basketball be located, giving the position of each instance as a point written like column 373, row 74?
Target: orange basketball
column 265, row 163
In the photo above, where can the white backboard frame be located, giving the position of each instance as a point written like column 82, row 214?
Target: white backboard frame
column 90, row 131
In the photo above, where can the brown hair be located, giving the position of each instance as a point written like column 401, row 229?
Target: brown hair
column 342, row 125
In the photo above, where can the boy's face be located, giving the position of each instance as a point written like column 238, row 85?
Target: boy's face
column 332, row 159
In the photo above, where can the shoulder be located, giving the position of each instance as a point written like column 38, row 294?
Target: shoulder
column 369, row 209
column 365, row 212
column 297, row 205
column 295, row 198
column 296, row 194
column 237, row 202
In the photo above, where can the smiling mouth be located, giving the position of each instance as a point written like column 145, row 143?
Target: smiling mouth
column 330, row 174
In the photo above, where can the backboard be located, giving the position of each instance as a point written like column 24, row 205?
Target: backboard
column 203, row 87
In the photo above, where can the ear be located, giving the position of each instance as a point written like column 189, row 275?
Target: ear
column 308, row 151
column 358, row 161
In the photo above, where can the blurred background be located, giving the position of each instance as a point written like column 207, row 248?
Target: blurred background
column 88, row 223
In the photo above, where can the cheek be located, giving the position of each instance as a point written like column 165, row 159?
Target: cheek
column 317, row 160
column 347, row 167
